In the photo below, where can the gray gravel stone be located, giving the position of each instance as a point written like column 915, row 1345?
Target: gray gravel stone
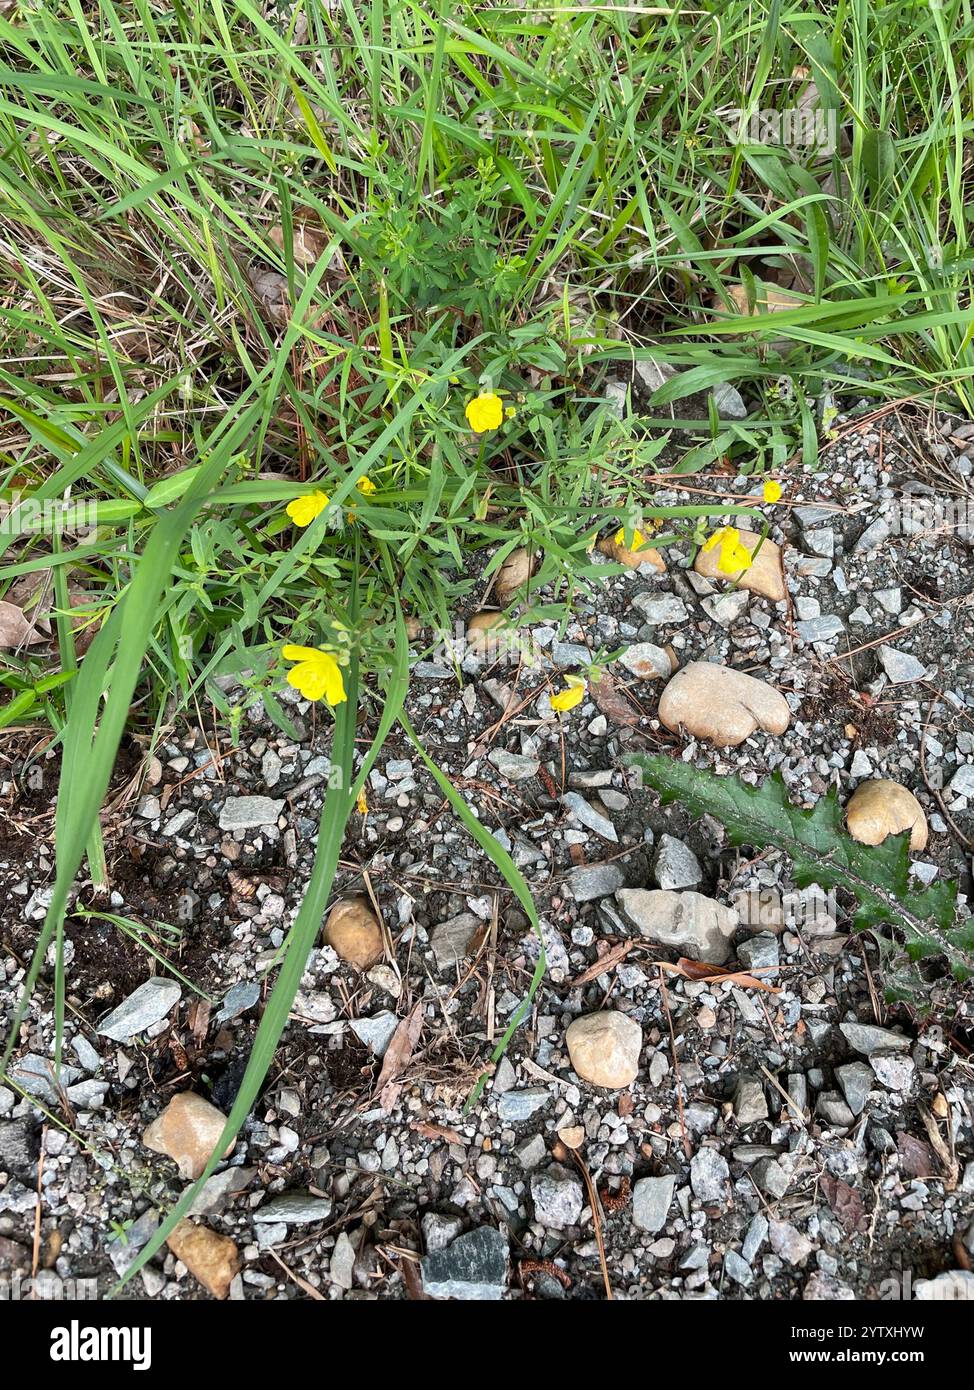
column 788, row 1243
column 825, row 1288
column 514, row 766
column 586, row 815
column 821, row 629
column 294, row 1209
column 894, row 1070
column 962, row 782
column 856, row 1080
column 675, row 865
column 709, row 1175
column 516, row 1106
column 531, row 1152
column 867, row 1038
column 762, row 954
column 36, row 1075
column 647, row 662
column 19, row 1147
column 771, row 1177
column 728, row 402
column 737, row 1269
column 85, row 1053
column 834, row 1110
column 450, row 940
column 146, row 1006
column 237, row 1000
column 376, row 1032
column 249, row 812
column 901, row 667
column 726, row 609
column 754, row 1238
column 692, row 923
column 651, row 1199
column 590, row 881
column 657, row 609
column 558, row 1197
column 439, row 1230
column 472, row 1267
column 750, row 1102
column 875, row 535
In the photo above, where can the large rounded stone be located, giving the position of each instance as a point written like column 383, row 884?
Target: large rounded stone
column 210, row 1258
column 632, row 559
column 353, row 932
column 725, row 706
column 488, row 634
column 604, row 1048
column 513, row 573
column 187, row 1131
column 879, row 808
column 763, row 576
column 691, row 923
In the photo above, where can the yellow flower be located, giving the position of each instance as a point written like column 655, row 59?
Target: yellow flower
column 734, row 556
column 638, row 539
column 316, row 675
column 772, row 491
column 361, row 805
column 509, row 412
column 365, row 486
column 303, row 510
column 485, row 412
column 571, row 696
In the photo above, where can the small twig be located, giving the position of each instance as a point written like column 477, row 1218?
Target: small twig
column 798, row 1113
column 593, row 1201
column 676, row 1065
column 309, row 1289
column 36, row 1254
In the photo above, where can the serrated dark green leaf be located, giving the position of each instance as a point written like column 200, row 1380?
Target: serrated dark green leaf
column 822, row 852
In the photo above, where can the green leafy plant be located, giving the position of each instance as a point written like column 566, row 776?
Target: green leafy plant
column 821, row 851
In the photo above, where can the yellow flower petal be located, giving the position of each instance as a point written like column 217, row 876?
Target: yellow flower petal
column 718, row 537
column 772, row 491
column 303, row 510
column 365, row 486
column 734, row 557
column 572, row 695
column 317, row 674
column 638, row 539
column 485, row 412
column 292, row 653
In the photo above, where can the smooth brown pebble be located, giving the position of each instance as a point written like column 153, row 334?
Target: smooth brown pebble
column 604, row 1048
column 210, row 1258
column 353, row 932
column 881, row 807
column 187, row 1131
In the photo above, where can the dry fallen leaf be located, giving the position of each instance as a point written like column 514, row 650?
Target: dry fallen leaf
column 431, row 1131
column 846, row 1203
column 613, row 705
column 308, row 245
column 398, row 1055
column 271, row 289
column 611, row 958
column 916, row 1158
column 948, row 1161
column 16, row 630
column 705, row 973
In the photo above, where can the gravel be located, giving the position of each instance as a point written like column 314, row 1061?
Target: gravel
column 706, row 1198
